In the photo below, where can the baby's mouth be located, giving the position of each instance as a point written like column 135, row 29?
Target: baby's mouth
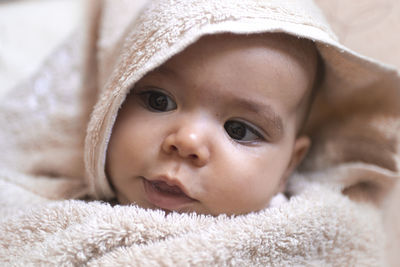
column 163, row 187
column 165, row 196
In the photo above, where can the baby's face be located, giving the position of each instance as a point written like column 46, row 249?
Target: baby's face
column 214, row 129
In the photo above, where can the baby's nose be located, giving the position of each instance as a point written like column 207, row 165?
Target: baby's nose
column 189, row 144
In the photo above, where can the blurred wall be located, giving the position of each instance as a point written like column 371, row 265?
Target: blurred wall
column 370, row 27
column 29, row 31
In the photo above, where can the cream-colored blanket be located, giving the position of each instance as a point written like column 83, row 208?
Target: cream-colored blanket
column 42, row 166
column 74, row 233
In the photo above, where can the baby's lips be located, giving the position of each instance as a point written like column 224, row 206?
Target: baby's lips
column 164, row 196
column 164, row 187
column 170, row 184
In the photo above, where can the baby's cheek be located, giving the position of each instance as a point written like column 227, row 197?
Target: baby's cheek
column 246, row 179
column 261, row 181
column 248, row 186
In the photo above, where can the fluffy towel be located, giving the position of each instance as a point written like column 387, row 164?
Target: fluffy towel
column 96, row 234
column 332, row 218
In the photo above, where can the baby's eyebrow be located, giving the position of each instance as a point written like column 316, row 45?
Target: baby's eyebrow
column 165, row 70
column 274, row 121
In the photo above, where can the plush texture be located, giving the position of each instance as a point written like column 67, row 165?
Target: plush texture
column 334, row 216
column 96, row 234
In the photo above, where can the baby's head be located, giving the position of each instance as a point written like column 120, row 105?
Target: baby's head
column 217, row 128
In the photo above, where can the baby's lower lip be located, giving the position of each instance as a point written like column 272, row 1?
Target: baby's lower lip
column 164, row 196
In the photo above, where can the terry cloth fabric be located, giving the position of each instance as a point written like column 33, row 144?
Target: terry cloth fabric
column 332, row 218
column 76, row 233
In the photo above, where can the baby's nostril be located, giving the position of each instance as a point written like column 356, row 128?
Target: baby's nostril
column 193, row 156
column 174, row 148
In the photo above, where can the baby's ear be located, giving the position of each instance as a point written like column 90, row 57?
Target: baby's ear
column 300, row 149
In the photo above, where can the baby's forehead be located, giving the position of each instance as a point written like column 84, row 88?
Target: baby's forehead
column 300, row 48
column 215, row 54
column 289, row 50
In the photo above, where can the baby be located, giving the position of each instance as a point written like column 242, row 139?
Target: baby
column 217, row 128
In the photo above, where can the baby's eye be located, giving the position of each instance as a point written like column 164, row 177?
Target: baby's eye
column 242, row 132
column 157, row 101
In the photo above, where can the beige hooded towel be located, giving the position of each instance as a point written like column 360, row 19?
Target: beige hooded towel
column 354, row 124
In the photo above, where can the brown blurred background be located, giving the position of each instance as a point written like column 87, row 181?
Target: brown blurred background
column 370, row 27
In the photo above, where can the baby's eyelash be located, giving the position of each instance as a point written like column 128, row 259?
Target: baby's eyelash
column 243, row 132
